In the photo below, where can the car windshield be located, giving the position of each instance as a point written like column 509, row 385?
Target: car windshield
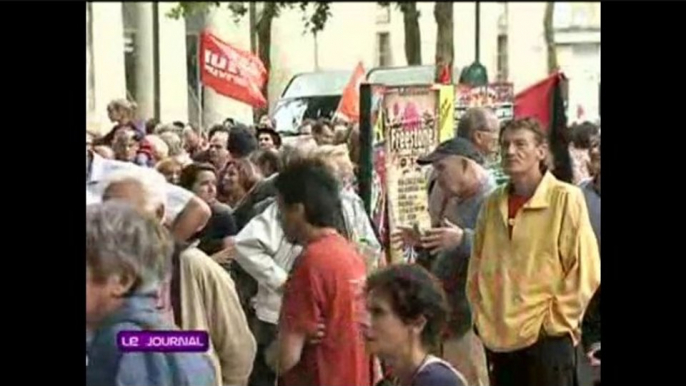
column 405, row 76
column 317, row 94
column 317, row 84
column 289, row 113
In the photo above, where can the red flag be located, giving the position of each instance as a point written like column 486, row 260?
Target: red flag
column 230, row 71
column 445, row 77
column 349, row 107
column 537, row 100
column 544, row 102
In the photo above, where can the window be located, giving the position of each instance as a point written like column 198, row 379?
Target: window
column 90, row 80
column 195, row 23
column 502, row 18
column 502, row 58
column 129, row 18
column 383, row 48
column 562, row 15
column 580, row 16
column 383, row 14
column 194, row 88
column 130, row 60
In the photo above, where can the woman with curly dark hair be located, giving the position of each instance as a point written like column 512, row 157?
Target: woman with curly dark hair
column 408, row 310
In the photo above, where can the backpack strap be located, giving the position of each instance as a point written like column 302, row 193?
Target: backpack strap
column 175, row 286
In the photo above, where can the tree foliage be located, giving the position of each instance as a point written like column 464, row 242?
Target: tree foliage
column 549, row 33
column 443, row 13
column 316, row 21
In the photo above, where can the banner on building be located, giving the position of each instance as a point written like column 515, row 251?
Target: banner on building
column 497, row 96
column 230, row 71
column 410, row 128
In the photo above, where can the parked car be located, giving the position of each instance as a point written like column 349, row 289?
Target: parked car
column 315, row 95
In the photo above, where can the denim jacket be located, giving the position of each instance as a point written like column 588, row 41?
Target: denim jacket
column 108, row 366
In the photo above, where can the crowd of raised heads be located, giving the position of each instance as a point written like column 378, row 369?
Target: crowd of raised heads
column 264, row 243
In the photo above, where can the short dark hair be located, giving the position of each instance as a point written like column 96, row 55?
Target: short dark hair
column 179, row 124
column 150, row 126
column 189, row 174
column 310, row 182
column 229, row 123
column 264, row 129
column 218, row 129
column 413, row 292
column 137, row 135
column 241, row 141
column 319, row 125
column 582, row 134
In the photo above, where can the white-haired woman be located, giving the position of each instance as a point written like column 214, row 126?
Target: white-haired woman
column 127, row 258
column 200, row 295
column 176, row 149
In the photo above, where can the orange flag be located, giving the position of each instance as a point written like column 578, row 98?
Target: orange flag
column 349, row 107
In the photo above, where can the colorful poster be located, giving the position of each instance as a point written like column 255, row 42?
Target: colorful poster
column 446, row 113
column 497, row 96
column 378, row 201
column 410, row 127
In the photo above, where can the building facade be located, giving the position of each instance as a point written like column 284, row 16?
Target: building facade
column 119, row 51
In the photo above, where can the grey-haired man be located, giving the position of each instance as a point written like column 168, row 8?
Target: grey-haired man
column 460, row 173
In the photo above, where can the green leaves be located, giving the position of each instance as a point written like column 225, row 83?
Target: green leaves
column 316, row 20
column 185, row 8
column 314, row 23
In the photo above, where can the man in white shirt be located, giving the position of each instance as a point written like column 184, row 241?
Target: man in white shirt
column 187, row 213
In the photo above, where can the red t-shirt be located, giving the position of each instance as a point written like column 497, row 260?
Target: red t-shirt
column 514, row 204
column 327, row 284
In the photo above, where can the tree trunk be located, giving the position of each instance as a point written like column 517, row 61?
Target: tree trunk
column 413, row 37
column 443, row 13
column 252, row 19
column 264, row 45
column 550, row 37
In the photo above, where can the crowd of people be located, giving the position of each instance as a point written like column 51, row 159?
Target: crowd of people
column 264, row 243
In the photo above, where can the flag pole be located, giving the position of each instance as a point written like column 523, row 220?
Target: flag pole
column 156, row 59
column 201, row 91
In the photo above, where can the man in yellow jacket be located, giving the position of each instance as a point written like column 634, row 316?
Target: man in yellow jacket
column 535, row 265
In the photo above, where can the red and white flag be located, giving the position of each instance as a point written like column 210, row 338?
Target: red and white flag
column 230, row 71
column 349, row 107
